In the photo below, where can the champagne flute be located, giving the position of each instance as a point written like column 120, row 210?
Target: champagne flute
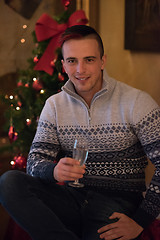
column 80, row 153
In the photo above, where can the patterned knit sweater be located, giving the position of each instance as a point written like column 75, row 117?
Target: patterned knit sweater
column 122, row 128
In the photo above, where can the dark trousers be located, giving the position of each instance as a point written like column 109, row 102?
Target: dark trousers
column 50, row 211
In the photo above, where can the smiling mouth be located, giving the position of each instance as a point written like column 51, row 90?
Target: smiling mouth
column 81, row 78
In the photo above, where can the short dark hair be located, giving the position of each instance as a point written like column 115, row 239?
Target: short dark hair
column 82, row 31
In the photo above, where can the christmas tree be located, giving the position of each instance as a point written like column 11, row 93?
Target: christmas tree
column 44, row 77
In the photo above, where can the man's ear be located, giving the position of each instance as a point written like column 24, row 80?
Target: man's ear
column 104, row 58
column 63, row 64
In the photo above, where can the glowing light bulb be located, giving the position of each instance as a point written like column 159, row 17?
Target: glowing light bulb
column 11, row 97
column 17, row 108
column 12, row 163
column 25, row 26
column 34, row 79
column 28, row 121
column 42, row 91
column 23, row 40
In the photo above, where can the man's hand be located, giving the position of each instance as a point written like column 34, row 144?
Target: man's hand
column 68, row 169
column 124, row 229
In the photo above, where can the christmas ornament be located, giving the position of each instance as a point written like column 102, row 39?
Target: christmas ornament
column 37, row 85
column 19, row 84
column 19, row 162
column 60, row 77
column 53, row 62
column 19, row 104
column 66, row 3
column 12, row 134
column 48, row 28
column 35, row 59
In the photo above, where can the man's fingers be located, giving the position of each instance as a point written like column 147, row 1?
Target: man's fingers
column 68, row 169
column 116, row 215
column 111, row 235
column 107, row 227
column 69, row 161
column 72, row 175
column 125, row 228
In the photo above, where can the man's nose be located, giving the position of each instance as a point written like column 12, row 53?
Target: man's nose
column 80, row 67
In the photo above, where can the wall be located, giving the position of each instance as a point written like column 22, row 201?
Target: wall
column 14, row 54
column 138, row 69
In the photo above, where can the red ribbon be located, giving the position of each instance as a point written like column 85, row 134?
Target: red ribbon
column 46, row 28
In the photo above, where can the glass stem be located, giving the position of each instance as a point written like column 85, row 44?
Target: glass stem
column 76, row 181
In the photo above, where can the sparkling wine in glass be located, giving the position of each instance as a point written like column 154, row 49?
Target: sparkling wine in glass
column 80, row 153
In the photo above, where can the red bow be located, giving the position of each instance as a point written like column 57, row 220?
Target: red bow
column 46, row 28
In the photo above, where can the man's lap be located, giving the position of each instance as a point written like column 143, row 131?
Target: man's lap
column 82, row 212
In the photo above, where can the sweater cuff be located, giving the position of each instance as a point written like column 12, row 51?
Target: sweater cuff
column 47, row 174
column 143, row 218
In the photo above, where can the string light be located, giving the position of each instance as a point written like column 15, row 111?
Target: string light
column 18, row 108
column 25, row 26
column 42, row 91
column 11, row 97
column 12, row 163
column 28, row 121
column 34, row 79
column 23, row 40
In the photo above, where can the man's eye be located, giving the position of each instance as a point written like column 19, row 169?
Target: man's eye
column 71, row 61
column 89, row 60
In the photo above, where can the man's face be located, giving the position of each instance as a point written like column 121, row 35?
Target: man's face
column 83, row 64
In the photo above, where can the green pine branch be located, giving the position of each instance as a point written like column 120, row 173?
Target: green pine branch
column 28, row 102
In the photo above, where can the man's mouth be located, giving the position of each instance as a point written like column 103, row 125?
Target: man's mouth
column 81, row 78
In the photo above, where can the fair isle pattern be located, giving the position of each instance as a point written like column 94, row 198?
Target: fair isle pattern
column 148, row 130
column 117, row 160
column 122, row 128
column 102, row 137
column 148, row 134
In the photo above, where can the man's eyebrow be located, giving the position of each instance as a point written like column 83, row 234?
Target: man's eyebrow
column 89, row 57
column 70, row 58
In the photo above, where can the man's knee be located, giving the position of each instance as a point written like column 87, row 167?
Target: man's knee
column 8, row 184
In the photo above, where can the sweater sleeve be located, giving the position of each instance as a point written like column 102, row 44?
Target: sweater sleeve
column 45, row 145
column 147, row 127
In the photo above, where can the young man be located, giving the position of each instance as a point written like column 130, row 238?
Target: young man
column 121, row 126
